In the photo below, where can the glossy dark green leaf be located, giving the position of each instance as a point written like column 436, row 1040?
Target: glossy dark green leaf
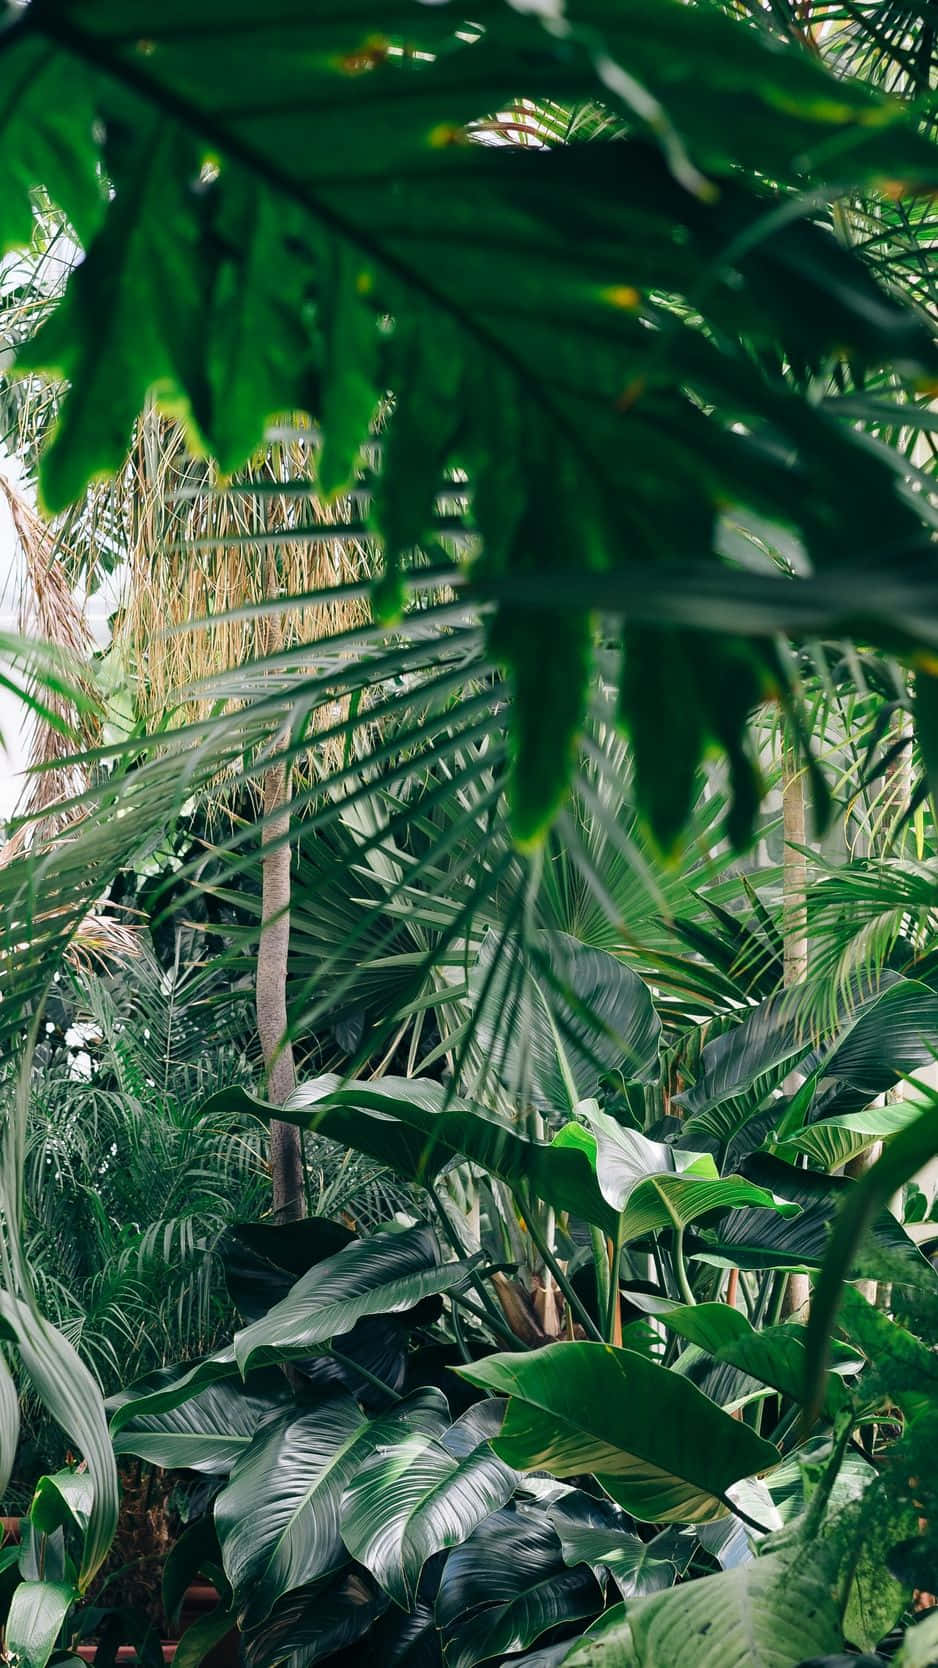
column 415, row 1497
column 774, row 1355
column 316, row 1621
column 595, row 1532
column 262, row 1261
column 62, row 1501
column 412, row 1126
column 207, row 1432
column 379, row 1276
column 657, row 1186
column 498, row 1631
column 761, row 1239
column 278, row 1519
column 831, row 1142
column 658, row 1446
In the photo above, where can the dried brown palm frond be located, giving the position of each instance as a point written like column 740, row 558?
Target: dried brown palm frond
column 201, row 554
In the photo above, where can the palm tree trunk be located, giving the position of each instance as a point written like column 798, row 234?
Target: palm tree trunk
column 794, row 939
column 286, row 1150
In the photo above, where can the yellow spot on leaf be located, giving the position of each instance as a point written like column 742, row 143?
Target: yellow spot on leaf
column 446, row 133
column 925, row 662
column 364, row 283
column 368, row 56
column 622, row 295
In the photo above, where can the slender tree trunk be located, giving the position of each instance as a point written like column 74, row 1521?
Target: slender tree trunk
column 286, row 1149
column 794, row 940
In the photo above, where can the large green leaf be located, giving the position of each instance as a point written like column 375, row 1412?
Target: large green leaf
column 62, row 1501
column 73, row 1398
column 378, row 1276
column 495, row 1633
column 596, row 1532
column 278, row 1517
column 209, row 1431
column 345, row 192
column 555, row 1018
column 658, row 1446
column 507, row 1584
column 773, row 1612
column 167, row 1388
column 775, row 1354
column 656, row 1186
column 414, row 1127
column 415, row 1497
column 834, row 1141
column 34, row 1620
column 739, row 1069
column 313, row 1622
column 763, row 1239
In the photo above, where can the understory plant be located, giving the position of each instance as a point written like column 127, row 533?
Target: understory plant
column 566, row 1415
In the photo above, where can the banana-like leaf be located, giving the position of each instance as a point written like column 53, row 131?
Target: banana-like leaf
column 657, row 1186
column 378, row 1276
column 834, row 1141
column 207, row 1432
column 739, row 1069
column 73, row 1398
column 658, row 1446
column 891, row 1031
column 62, row 1501
column 775, row 1355
column 278, row 1519
column 34, row 1620
column 169, row 1387
column 9, row 1423
column 495, row 1633
column 554, row 1020
column 414, row 1498
column 512, row 1550
column 262, row 1261
column 411, row 1125
column 762, row 1239
column 771, row 1612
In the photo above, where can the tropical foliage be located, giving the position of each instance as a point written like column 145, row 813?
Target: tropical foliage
column 603, row 335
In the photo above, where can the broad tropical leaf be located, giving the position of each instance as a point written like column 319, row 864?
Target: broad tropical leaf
column 378, row 1276
column 313, row 1622
column 37, row 1612
column 415, row 1497
column 832, row 1142
column 507, row 1584
column 595, row 1532
column 658, row 1446
column 553, row 1021
column 207, row 1432
column 762, row 1239
column 656, row 1186
column 278, row 1518
column 414, row 1127
column 772, row 1612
